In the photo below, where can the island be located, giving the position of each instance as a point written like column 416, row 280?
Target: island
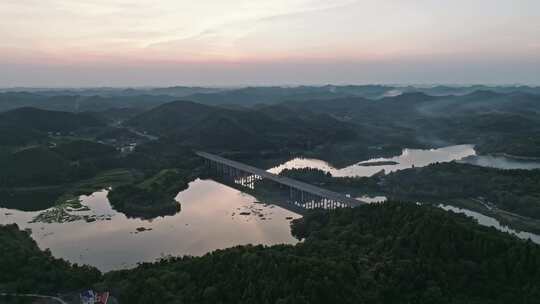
column 378, row 163
column 152, row 197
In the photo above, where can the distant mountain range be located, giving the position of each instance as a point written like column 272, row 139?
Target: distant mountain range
column 495, row 119
column 96, row 99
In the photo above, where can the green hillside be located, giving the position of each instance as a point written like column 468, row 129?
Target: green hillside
column 390, row 253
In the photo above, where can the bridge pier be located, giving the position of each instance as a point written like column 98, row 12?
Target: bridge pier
column 300, row 193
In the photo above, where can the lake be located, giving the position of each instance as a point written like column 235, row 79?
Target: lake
column 214, row 216
column 409, row 158
column 210, row 219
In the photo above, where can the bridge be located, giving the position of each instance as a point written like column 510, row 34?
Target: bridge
column 300, row 193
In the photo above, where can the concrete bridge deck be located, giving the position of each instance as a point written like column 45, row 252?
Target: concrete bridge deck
column 301, row 186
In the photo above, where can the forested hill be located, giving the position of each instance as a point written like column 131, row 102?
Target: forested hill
column 383, row 253
column 24, row 125
column 24, row 268
column 48, row 121
column 70, row 101
column 495, row 119
column 389, row 253
column 494, row 122
column 171, row 117
column 66, row 163
column 516, row 191
column 243, row 129
column 251, row 96
column 415, row 105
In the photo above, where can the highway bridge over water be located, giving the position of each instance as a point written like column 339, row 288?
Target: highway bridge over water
column 300, row 193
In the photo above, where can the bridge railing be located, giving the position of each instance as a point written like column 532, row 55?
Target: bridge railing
column 298, row 189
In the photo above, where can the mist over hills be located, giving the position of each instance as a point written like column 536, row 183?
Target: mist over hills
column 267, row 123
column 342, row 130
column 78, row 103
column 177, row 91
column 496, row 119
column 95, row 99
column 270, row 152
column 138, row 144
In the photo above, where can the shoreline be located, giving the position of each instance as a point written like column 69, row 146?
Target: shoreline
column 516, row 157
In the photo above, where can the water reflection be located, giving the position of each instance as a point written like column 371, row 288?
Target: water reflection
column 372, row 199
column 407, row 159
column 213, row 216
column 491, row 222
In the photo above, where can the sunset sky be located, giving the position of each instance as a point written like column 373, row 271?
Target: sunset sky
column 241, row 42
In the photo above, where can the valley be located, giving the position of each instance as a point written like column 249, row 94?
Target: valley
column 122, row 191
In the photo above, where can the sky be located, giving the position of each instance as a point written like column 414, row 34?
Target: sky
column 66, row 43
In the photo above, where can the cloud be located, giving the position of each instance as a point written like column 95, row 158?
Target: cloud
column 337, row 34
column 222, row 39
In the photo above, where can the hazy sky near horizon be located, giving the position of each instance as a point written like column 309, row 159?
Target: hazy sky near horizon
column 237, row 42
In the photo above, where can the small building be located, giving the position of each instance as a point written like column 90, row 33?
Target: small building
column 88, row 297
column 91, row 297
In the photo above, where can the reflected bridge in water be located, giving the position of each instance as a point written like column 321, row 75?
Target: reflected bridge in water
column 300, row 194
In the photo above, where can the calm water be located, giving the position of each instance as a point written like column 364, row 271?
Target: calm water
column 407, row 159
column 410, row 158
column 211, row 216
column 210, row 219
column 372, row 199
column 491, row 222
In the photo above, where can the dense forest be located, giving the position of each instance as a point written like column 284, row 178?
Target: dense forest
column 152, row 197
column 392, row 253
column 517, row 191
column 56, row 144
column 64, row 163
column 342, row 124
column 44, row 174
column 79, row 101
column 387, row 253
column 51, row 148
column 47, row 156
column 276, row 129
column 493, row 121
column 357, row 185
column 24, row 268
column 25, row 126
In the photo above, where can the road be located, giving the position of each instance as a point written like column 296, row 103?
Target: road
column 146, row 135
column 324, row 193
